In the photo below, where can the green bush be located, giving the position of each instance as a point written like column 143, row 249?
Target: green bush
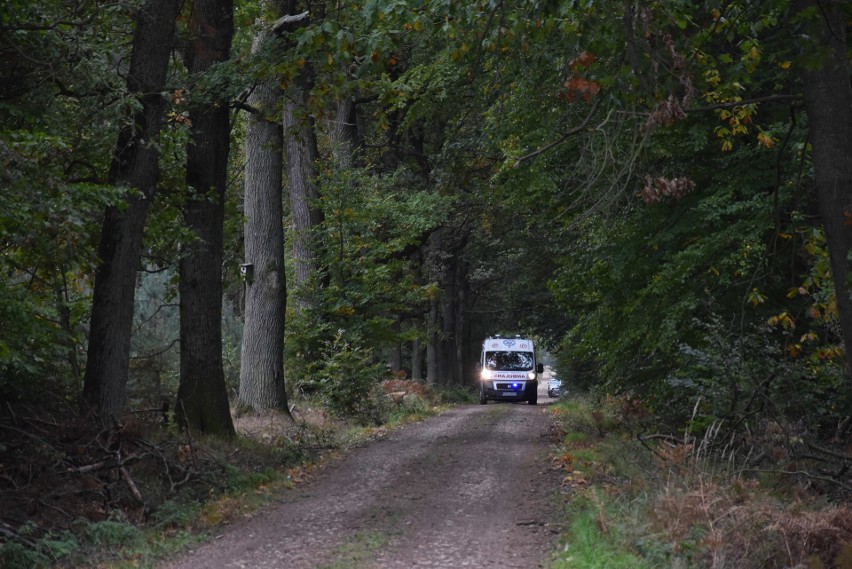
column 350, row 378
column 112, row 532
column 14, row 555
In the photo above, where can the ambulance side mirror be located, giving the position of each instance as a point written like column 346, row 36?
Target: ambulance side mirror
column 539, row 368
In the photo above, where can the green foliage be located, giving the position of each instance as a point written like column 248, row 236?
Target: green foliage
column 14, row 555
column 733, row 254
column 588, row 547
column 86, row 538
column 111, row 533
column 457, row 394
column 360, row 549
column 733, row 376
column 373, row 226
column 175, row 513
column 350, row 378
column 60, row 108
column 48, row 232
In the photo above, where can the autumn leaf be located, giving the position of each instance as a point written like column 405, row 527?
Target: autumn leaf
column 809, row 337
column 580, row 86
column 784, row 320
column 755, row 297
column 584, row 60
column 765, row 140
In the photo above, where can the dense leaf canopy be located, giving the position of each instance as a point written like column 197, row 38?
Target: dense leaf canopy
column 629, row 182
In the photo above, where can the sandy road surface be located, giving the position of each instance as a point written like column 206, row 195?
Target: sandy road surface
column 470, row 488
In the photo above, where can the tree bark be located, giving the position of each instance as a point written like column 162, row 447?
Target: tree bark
column 302, row 153
column 432, row 343
column 447, row 364
column 202, row 394
column 343, row 133
column 433, row 271
column 417, row 356
column 135, row 165
column 462, row 288
column 395, row 350
column 262, row 383
column 828, row 99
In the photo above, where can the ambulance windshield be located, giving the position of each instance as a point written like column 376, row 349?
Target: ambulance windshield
column 509, row 361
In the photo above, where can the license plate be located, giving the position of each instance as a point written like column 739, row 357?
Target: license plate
column 509, row 394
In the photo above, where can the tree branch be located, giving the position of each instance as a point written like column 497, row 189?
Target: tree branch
column 729, row 105
column 242, row 106
column 279, row 24
column 804, row 473
column 560, row 140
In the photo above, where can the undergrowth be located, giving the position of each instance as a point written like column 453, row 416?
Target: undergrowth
column 64, row 502
column 663, row 500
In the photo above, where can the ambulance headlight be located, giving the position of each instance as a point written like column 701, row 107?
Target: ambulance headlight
column 531, row 375
column 487, row 374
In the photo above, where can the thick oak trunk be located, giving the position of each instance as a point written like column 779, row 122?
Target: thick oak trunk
column 262, row 384
column 202, row 394
column 135, row 165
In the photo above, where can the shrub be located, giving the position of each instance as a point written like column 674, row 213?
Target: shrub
column 350, row 378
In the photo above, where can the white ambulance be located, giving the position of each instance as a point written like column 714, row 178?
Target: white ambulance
column 508, row 370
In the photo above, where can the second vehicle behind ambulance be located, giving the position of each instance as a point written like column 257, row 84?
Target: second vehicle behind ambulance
column 508, row 370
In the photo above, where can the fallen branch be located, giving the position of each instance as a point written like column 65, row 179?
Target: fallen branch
column 668, row 438
column 90, row 467
column 7, row 531
column 654, row 451
column 130, row 484
column 804, row 473
column 830, row 452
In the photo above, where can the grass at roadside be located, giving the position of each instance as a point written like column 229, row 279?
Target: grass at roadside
column 358, row 552
column 666, row 501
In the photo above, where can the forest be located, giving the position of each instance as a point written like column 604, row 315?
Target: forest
column 214, row 208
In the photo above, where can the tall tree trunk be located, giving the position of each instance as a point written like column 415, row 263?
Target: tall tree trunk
column 432, row 343
column 302, row 153
column 446, row 364
column 136, row 165
column 417, row 350
column 395, row 350
column 828, row 98
column 461, row 376
column 202, row 394
column 262, row 383
column 343, row 133
column 433, row 271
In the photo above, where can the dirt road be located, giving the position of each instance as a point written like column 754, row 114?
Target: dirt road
column 470, row 488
